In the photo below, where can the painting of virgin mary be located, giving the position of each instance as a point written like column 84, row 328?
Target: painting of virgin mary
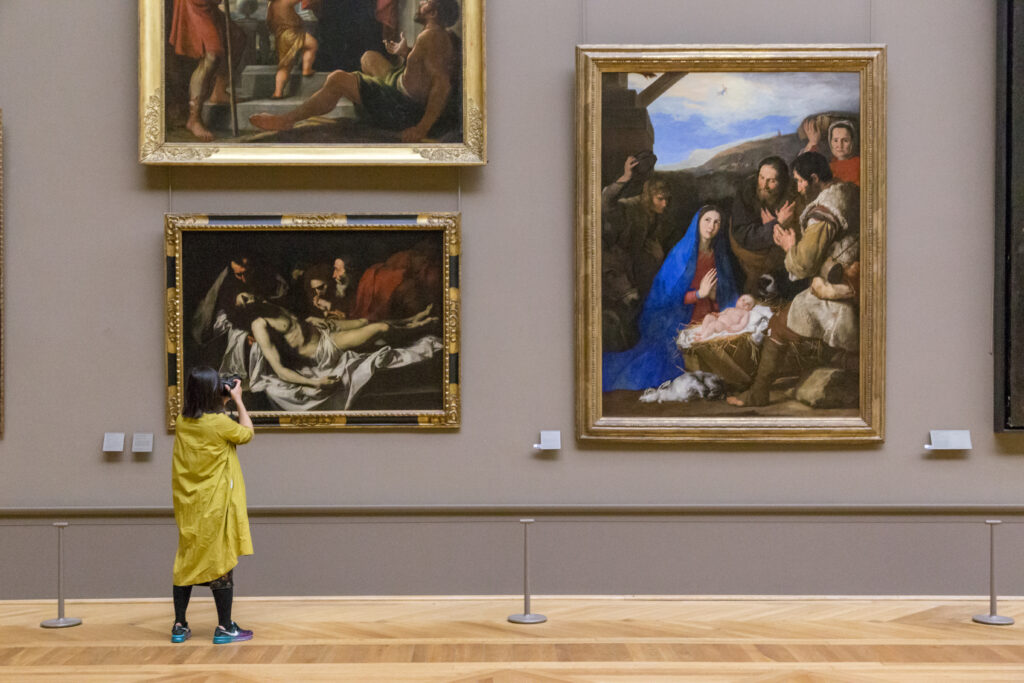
column 695, row 279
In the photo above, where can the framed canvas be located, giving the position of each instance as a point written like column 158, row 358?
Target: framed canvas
column 730, row 243
column 330, row 321
column 312, row 82
column 1008, row 346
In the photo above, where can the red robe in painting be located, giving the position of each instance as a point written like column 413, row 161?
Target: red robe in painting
column 846, row 169
column 401, row 286
column 197, row 27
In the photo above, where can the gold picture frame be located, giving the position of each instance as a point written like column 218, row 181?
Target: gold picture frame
column 671, row 142
column 340, row 137
column 332, row 321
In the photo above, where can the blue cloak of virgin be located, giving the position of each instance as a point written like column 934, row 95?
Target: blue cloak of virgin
column 655, row 358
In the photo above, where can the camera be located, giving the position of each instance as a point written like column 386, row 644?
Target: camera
column 228, row 381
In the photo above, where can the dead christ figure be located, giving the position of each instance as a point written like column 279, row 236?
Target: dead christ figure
column 307, row 339
column 413, row 97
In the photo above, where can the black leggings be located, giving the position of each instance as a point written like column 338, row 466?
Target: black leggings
column 223, row 589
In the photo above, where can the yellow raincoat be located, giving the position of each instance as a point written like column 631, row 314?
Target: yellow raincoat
column 209, row 498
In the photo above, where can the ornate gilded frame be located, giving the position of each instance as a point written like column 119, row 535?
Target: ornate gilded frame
column 446, row 227
column 155, row 149
column 594, row 61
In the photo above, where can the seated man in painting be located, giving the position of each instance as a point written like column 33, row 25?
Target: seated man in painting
column 301, row 364
column 416, row 96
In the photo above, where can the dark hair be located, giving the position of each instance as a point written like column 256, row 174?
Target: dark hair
column 812, row 163
column 700, row 214
column 447, row 12
column 242, row 317
column 779, row 165
column 202, row 392
column 653, row 186
column 320, row 271
column 708, row 207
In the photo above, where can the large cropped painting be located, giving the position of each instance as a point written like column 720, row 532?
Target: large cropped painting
column 329, row 320
column 730, row 243
column 312, row 82
column 1009, row 264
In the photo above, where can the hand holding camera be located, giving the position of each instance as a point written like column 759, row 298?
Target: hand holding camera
column 231, row 385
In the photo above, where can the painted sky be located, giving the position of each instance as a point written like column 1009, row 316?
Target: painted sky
column 705, row 112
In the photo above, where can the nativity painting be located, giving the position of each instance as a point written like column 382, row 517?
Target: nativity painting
column 727, row 241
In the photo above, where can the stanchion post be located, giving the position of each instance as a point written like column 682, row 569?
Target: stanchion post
column 992, row 618
column 61, row 621
column 526, row 617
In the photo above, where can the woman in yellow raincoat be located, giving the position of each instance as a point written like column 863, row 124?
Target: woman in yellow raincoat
column 209, row 499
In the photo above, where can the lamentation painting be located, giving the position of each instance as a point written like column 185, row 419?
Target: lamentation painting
column 730, row 243
column 329, row 320
column 367, row 82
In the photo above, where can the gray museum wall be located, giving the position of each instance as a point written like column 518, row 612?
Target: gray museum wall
column 84, row 332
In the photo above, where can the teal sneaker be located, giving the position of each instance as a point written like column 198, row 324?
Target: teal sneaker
column 180, row 633
column 233, row 634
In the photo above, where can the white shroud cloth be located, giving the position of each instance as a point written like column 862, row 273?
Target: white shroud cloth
column 350, row 371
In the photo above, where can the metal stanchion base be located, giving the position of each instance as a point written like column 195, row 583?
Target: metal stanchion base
column 61, row 622
column 527, row 618
column 992, row 619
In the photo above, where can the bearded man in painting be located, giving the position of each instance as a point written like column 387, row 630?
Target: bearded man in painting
column 763, row 202
column 827, row 250
column 199, row 31
column 414, row 92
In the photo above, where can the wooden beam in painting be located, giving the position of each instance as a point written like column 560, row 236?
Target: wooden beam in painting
column 659, row 87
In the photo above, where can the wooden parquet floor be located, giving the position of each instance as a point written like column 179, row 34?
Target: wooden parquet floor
column 621, row 640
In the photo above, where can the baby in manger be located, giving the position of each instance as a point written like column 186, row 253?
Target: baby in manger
column 730, row 320
column 746, row 317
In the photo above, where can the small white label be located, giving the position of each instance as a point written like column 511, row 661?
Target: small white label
column 950, row 440
column 549, row 440
column 113, row 442
column 142, row 443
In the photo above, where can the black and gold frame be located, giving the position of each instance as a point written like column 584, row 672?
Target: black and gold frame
column 332, row 320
